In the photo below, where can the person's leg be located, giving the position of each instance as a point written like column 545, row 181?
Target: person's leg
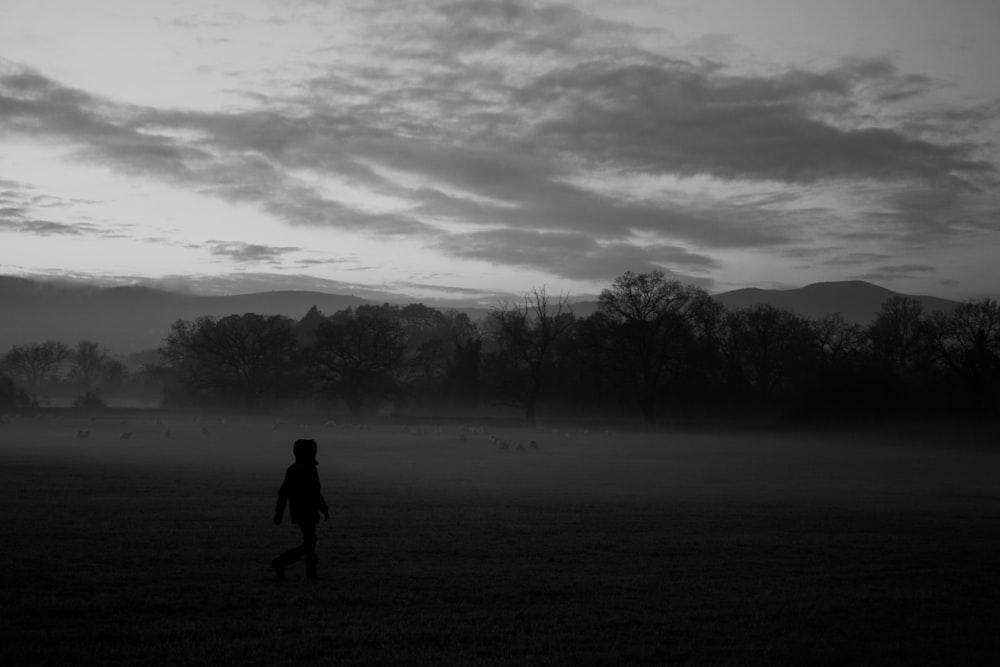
column 294, row 555
column 309, row 548
column 284, row 560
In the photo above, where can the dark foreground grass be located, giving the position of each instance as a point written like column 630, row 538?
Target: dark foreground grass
column 152, row 565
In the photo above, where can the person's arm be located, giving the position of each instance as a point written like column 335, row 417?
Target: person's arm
column 321, row 502
column 323, row 508
column 279, row 508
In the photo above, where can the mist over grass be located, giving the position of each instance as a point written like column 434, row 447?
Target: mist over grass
column 678, row 546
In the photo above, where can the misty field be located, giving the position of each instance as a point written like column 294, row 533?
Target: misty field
column 497, row 545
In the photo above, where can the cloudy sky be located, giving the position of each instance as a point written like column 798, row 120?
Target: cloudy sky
column 468, row 148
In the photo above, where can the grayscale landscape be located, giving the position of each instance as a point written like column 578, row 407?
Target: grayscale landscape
column 499, row 332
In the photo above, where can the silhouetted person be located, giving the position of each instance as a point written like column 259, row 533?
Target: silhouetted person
column 301, row 492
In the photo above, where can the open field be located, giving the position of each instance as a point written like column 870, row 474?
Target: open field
column 677, row 547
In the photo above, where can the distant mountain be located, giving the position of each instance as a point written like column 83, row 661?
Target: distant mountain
column 129, row 319
column 857, row 301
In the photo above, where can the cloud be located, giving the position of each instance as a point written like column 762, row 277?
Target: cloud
column 195, row 21
column 571, row 255
column 241, row 157
column 455, row 290
column 493, row 122
column 512, row 27
column 856, row 258
column 250, row 252
column 663, row 117
column 932, row 214
column 102, row 132
column 17, row 215
column 9, row 222
column 896, row 272
column 168, row 241
column 491, row 187
column 246, row 282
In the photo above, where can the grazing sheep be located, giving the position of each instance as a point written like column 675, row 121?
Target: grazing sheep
column 204, row 430
column 83, row 433
column 167, row 434
column 125, row 435
column 534, row 444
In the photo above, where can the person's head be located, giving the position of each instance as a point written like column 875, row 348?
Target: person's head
column 305, row 450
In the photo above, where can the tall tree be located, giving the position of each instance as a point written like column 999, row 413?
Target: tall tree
column 249, row 354
column 902, row 356
column 429, row 346
column 895, row 334
column 12, row 396
column 583, row 373
column 768, row 347
column 358, row 353
column 837, row 341
column 526, row 333
column 89, row 363
column 35, row 364
column 651, row 314
column 967, row 342
column 464, row 367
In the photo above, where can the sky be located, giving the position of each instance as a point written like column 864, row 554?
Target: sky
column 469, row 150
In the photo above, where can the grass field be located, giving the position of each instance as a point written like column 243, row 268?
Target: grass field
column 677, row 547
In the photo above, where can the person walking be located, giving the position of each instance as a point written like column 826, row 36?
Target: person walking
column 301, row 492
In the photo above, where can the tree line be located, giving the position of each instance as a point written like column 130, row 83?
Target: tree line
column 654, row 348
column 53, row 366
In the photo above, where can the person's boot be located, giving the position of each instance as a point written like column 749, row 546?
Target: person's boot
column 311, row 567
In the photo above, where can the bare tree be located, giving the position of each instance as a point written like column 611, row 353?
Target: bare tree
column 250, row 354
column 526, row 333
column 12, row 396
column 967, row 343
column 767, row 346
column 652, row 314
column 89, row 363
column 895, row 333
column 837, row 340
column 357, row 353
column 36, row 364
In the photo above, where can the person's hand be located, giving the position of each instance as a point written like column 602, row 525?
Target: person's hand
column 326, row 516
column 277, row 519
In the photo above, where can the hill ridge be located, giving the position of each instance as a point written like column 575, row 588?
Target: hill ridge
column 132, row 318
column 857, row 301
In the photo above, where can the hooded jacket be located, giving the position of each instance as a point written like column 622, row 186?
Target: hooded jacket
column 301, row 489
